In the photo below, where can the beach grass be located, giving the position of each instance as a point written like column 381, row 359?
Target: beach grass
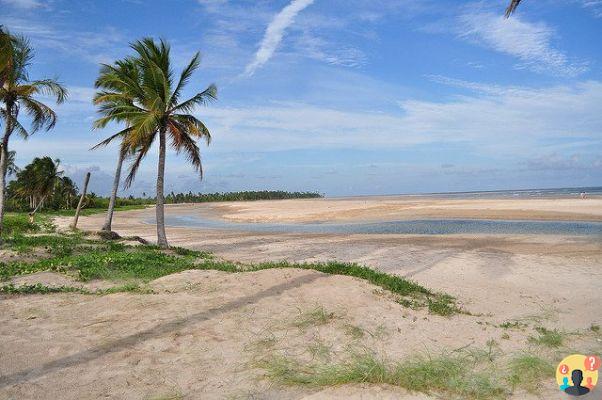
column 552, row 338
column 452, row 376
column 86, row 257
column 527, row 371
column 314, row 317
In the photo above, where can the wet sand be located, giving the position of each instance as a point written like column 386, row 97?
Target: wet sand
column 410, row 207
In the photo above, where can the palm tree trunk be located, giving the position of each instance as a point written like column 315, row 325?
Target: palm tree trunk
column 160, row 206
column 116, row 180
column 3, row 164
column 32, row 214
column 81, row 202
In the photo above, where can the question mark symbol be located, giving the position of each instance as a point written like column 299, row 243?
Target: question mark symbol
column 592, row 363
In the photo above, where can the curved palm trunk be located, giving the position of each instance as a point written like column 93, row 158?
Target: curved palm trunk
column 32, row 215
column 160, row 207
column 3, row 165
column 81, row 202
column 112, row 200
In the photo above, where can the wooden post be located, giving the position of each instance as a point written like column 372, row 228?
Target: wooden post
column 81, row 202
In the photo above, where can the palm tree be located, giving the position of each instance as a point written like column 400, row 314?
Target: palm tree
column 17, row 93
column 151, row 107
column 121, row 78
column 66, row 191
column 39, row 180
column 512, row 7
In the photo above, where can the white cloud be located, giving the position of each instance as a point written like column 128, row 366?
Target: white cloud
column 25, row 4
column 496, row 120
column 102, row 46
column 274, row 33
column 595, row 6
column 531, row 43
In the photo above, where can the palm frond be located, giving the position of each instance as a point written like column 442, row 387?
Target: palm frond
column 107, row 141
column 42, row 116
column 511, row 8
column 50, row 87
column 194, row 126
column 15, row 124
column 201, row 98
column 181, row 141
column 141, row 153
column 184, row 78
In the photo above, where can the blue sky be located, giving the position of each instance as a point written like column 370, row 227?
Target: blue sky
column 343, row 96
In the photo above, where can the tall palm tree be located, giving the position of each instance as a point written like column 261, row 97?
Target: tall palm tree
column 121, row 78
column 152, row 108
column 18, row 93
column 512, row 7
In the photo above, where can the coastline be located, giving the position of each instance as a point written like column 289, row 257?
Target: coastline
column 506, row 275
column 353, row 209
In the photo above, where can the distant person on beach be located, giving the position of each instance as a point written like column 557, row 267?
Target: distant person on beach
column 583, row 195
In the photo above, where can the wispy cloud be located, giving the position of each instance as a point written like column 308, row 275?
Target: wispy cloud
column 526, row 118
column 275, row 32
column 95, row 47
column 595, row 6
column 24, row 4
column 530, row 43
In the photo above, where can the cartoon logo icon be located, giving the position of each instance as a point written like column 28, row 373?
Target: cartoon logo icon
column 577, row 374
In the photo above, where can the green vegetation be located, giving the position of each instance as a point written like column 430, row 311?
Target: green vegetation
column 594, row 328
column 355, row 332
column 451, row 375
column 19, row 223
column 239, row 196
column 513, row 325
column 314, row 317
column 38, row 288
column 20, row 96
column 86, row 258
column 527, row 371
column 94, row 204
column 550, row 338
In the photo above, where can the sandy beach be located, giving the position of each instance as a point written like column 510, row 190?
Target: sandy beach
column 201, row 333
column 481, row 270
column 410, row 207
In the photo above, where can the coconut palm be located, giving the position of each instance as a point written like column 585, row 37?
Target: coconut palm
column 65, row 192
column 39, row 180
column 152, row 107
column 17, row 94
column 512, row 7
column 121, row 78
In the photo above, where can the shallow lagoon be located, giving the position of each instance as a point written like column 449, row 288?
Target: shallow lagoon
column 413, row 227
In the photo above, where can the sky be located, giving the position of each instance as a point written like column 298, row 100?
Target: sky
column 343, row 97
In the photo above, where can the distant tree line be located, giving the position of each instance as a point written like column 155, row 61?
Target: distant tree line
column 238, row 196
column 42, row 185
